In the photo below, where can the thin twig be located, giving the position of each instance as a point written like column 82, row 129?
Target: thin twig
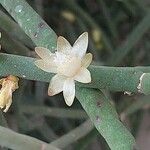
column 53, row 112
column 74, row 135
column 13, row 140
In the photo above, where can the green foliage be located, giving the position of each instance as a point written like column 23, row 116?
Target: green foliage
column 17, row 141
column 33, row 25
column 131, row 40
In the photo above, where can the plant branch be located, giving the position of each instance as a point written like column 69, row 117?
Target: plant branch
column 53, row 112
column 13, row 140
column 74, row 135
column 11, row 27
column 31, row 23
column 105, row 119
column 131, row 40
column 111, row 78
column 13, row 46
column 142, row 102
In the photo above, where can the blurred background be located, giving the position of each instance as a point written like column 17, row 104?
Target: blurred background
column 119, row 35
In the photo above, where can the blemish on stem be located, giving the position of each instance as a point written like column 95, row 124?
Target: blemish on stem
column 35, row 34
column 41, row 24
column 99, row 104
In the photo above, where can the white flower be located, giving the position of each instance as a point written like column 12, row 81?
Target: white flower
column 69, row 63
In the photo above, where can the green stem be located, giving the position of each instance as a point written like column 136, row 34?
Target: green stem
column 31, row 23
column 74, row 135
column 89, row 20
column 135, row 106
column 53, row 112
column 143, row 5
column 116, row 79
column 131, row 40
column 108, row 18
column 89, row 138
column 3, row 121
column 47, row 132
column 11, row 27
column 16, row 141
column 105, row 119
column 22, row 121
column 111, row 78
column 12, row 45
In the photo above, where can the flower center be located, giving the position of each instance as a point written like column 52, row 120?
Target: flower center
column 68, row 65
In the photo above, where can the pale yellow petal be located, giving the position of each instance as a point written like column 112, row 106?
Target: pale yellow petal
column 63, row 45
column 44, row 53
column 87, row 59
column 56, row 85
column 69, row 91
column 83, row 76
column 1, row 81
column 80, row 45
column 8, row 104
column 48, row 67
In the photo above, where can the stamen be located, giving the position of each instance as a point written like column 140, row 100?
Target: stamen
column 61, row 58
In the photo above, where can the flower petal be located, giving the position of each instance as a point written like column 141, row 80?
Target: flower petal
column 48, row 67
column 69, row 91
column 44, row 53
column 56, row 84
column 63, row 45
column 87, row 59
column 83, row 76
column 80, row 45
column 8, row 104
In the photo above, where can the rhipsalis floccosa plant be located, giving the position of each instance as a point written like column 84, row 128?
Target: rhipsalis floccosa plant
column 70, row 64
